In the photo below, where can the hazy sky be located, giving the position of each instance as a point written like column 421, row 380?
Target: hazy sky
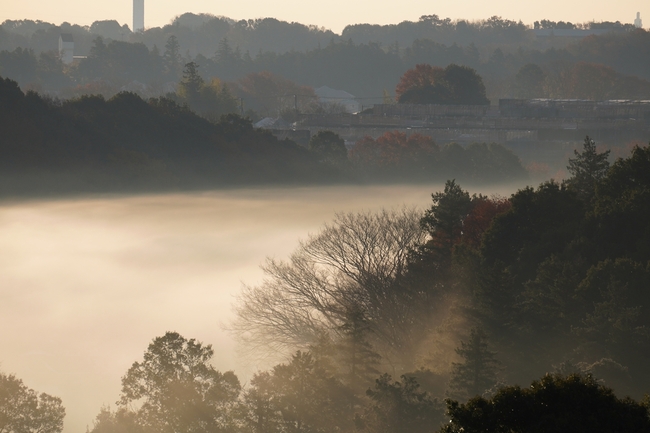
column 333, row 14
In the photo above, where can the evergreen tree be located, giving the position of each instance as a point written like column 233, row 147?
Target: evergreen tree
column 172, row 57
column 444, row 220
column 192, row 83
column 587, row 169
column 555, row 403
column 478, row 371
column 355, row 354
column 329, row 147
column 399, row 407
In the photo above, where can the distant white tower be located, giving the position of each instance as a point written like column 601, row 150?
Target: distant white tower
column 66, row 48
column 637, row 21
column 138, row 15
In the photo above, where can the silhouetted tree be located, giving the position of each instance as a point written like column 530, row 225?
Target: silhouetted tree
column 172, row 57
column 329, row 147
column 529, row 81
column 577, row 404
column 587, row 169
column 398, row 407
column 176, row 388
column 477, row 372
column 23, row 410
column 444, row 220
column 357, row 259
column 425, row 84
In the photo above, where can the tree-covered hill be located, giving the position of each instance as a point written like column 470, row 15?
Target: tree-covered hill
column 93, row 144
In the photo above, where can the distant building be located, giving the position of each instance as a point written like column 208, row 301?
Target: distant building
column 328, row 96
column 569, row 33
column 637, row 22
column 138, row 15
column 66, row 48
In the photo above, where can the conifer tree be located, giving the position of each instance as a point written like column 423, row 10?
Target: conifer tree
column 478, row 371
column 587, row 169
column 356, row 356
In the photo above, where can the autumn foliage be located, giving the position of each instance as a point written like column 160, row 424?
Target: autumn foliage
column 426, row 84
column 481, row 214
column 421, row 76
column 394, row 151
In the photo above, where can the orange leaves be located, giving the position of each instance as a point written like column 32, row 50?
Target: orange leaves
column 480, row 217
column 420, row 76
column 394, row 149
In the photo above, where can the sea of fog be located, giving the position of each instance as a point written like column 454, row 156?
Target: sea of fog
column 87, row 283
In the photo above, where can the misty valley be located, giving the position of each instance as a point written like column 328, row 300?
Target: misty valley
column 407, row 309
column 197, row 239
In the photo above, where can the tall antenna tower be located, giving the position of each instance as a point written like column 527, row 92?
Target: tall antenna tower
column 138, row 15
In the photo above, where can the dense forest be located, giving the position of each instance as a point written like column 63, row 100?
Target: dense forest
column 553, row 278
column 424, row 322
column 365, row 60
column 126, row 143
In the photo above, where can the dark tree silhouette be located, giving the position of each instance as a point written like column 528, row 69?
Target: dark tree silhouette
column 398, row 407
column 23, row 410
column 444, row 219
column 477, row 373
column 329, row 147
column 587, row 169
column 176, row 389
column 576, row 404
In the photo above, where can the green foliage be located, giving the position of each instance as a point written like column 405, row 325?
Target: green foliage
column 529, row 81
column 541, row 222
column 555, row 403
column 477, row 373
column 444, row 219
column 210, row 100
column 158, row 145
column 297, row 397
column 122, row 420
column 172, row 58
column 398, row 407
column 329, row 147
column 587, row 169
column 177, row 389
column 622, row 207
column 23, row 410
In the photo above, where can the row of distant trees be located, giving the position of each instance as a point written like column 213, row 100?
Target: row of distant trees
column 199, row 32
column 618, row 61
column 126, row 142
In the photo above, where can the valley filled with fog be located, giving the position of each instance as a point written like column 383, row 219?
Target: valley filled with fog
column 89, row 282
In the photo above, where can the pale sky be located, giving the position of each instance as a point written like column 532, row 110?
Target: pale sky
column 332, row 14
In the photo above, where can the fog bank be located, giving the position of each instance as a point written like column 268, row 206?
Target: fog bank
column 88, row 283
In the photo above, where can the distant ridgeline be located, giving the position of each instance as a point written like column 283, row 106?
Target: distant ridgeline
column 364, row 60
column 125, row 143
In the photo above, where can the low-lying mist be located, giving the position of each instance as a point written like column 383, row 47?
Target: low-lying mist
column 88, row 283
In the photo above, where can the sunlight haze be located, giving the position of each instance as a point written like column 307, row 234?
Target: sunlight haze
column 89, row 283
column 334, row 15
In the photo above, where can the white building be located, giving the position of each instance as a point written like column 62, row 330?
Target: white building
column 138, row 15
column 66, row 48
column 637, row 22
column 328, row 96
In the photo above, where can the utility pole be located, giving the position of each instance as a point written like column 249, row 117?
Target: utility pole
column 241, row 107
column 295, row 103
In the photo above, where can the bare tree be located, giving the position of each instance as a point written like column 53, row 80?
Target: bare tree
column 356, row 262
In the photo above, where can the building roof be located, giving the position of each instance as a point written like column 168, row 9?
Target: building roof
column 66, row 37
column 325, row 92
